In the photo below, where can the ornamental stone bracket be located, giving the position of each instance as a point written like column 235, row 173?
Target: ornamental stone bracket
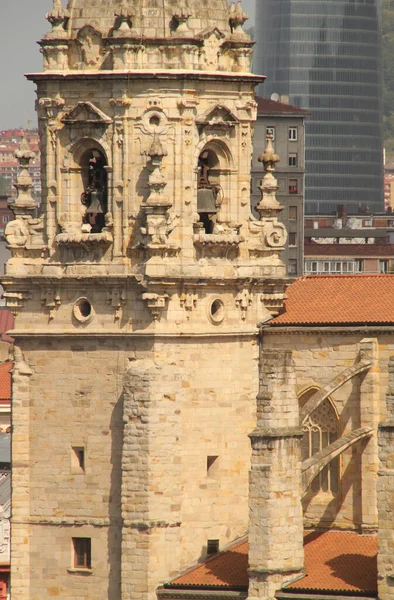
column 116, row 298
column 16, row 301
column 51, row 299
column 273, row 298
column 156, row 303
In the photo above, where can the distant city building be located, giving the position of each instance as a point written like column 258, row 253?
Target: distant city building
column 10, row 141
column 325, row 57
column 286, row 125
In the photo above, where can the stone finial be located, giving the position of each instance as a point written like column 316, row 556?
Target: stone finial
column 24, row 203
column 182, row 28
column 269, row 184
column 125, row 15
column 157, row 181
column 237, row 18
column 57, row 17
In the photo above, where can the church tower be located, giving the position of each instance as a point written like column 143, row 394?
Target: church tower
column 137, row 293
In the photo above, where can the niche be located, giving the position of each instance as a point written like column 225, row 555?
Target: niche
column 95, row 185
column 209, row 189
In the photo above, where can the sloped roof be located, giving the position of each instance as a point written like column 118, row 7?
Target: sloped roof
column 338, row 561
column 339, row 299
column 335, row 562
column 265, row 106
column 5, row 380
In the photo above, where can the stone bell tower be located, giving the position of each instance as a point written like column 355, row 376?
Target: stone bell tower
column 137, row 294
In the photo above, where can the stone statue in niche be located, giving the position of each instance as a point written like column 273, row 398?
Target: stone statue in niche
column 94, row 196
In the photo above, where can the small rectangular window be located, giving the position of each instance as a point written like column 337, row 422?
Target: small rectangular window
column 212, row 546
column 212, row 465
column 293, row 186
column 292, row 239
column 293, row 134
column 293, row 159
column 78, row 458
column 292, row 212
column 292, row 267
column 270, row 130
column 359, row 266
column 82, row 553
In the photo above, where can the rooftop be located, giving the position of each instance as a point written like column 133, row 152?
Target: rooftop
column 338, row 299
column 271, row 107
column 335, row 562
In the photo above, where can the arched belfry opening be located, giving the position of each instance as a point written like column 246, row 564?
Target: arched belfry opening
column 212, row 173
column 94, row 196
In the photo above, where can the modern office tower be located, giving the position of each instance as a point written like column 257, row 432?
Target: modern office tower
column 326, row 57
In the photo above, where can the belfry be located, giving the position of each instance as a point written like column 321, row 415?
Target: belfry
column 137, row 292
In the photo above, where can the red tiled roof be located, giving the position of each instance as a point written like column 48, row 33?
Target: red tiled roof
column 338, row 561
column 6, row 324
column 339, row 299
column 335, row 561
column 5, row 380
column 270, row 107
column 363, row 250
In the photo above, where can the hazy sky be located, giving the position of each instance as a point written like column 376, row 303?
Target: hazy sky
column 22, row 23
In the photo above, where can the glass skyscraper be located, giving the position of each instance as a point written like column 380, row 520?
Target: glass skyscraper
column 325, row 56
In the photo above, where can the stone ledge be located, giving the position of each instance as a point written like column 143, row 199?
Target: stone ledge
column 276, row 432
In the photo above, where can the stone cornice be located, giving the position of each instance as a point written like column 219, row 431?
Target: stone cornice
column 173, row 593
column 61, row 333
column 177, row 74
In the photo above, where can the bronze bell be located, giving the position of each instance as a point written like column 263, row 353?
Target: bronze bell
column 95, row 204
column 206, row 200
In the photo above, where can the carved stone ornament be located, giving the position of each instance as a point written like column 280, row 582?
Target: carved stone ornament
column 57, row 17
column 237, row 18
column 243, row 301
column 117, row 299
column 156, row 303
column 124, row 17
column 182, row 29
column 188, row 301
column 86, row 112
column 73, row 234
column 51, row 299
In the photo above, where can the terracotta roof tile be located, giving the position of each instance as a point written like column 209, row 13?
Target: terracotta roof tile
column 5, row 380
column 228, row 569
column 339, row 299
column 334, row 562
column 338, row 561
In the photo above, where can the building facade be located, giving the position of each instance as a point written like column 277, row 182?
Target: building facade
column 325, row 57
column 142, row 281
column 285, row 123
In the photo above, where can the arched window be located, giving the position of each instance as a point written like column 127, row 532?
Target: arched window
column 95, row 186
column 321, row 430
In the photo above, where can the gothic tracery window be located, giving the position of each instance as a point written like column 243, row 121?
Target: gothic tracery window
column 321, row 430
